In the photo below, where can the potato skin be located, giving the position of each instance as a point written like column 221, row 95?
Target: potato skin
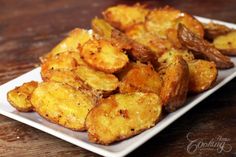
column 175, row 84
column 202, row 48
column 226, row 43
column 19, row 97
column 62, row 104
column 102, row 55
column 159, row 31
column 163, row 22
column 213, row 30
column 203, row 75
column 124, row 16
column 135, row 50
column 141, row 78
column 122, row 116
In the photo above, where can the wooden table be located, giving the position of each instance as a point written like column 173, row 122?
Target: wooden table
column 28, row 29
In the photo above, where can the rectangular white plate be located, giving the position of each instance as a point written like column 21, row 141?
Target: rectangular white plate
column 80, row 139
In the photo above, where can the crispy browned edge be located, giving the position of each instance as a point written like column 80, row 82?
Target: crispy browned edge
column 135, row 51
column 120, row 138
column 175, row 97
column 213, row 30
column 29, row 97
column 201, row 47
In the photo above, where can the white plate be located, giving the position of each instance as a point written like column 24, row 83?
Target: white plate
column 80, row 138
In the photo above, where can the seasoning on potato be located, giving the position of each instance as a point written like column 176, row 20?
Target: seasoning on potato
column 116, row 80
column 121, row 116
column 19, row 97
column 62, row 104
column 103, row 55
column 226, row 43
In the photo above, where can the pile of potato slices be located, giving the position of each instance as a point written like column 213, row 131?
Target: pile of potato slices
column 134, row 67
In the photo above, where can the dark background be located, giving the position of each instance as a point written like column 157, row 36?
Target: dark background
column 29, row 29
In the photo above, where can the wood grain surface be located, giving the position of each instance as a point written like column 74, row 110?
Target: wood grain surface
column 29, row 29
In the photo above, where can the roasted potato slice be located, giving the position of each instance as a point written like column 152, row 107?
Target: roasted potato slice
column 136, row 51
column 203, row 75
column 122, row 115
column 164, row 22
column 19, row 97
column 64, row 76
column 213, row 30
column 63, row 61
column 123, row 16
column 175, row 84
column 97, row 80
column 103, row 55
column 141, row 78
column 203, row 48
column 167, row 57
column 226, row 43
column 156, row 44
column 62, row 104
column 76, row 37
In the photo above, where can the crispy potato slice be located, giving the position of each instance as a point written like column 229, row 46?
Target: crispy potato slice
column 62, row 104
column 19, row 97
column 141, row 78
column 168, row 56
column 103, row 55
column 203, row 48
column 136, row 51
column 97, row 80
column 63, row 76
column 102, row 28
column 164, row 22
column 76, row 37
column 140, row 34
column 175, row 84
column 226, row 43
column 203, row 75
column 123, row 16
column 122, row 115
column 213, row 30
column 63, row 61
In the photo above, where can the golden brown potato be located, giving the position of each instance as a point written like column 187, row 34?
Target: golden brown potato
column 203, row 48
column 213, row 30
column 123, row 16
column 103, row 55
column 169, row 55
column 76, row 37
column 141, row 78
column 226, row 43
column 64, row 76
column 97, row 80
column 122, row 115
column 102, row 28
column 203, row 75
column 62, row 104
column 62, row 61
column 156, row 44
column 19, row 97
column 175, row 84
column 164, row 22
column 135, row 50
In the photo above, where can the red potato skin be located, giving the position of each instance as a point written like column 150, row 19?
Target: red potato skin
column 202, row 48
